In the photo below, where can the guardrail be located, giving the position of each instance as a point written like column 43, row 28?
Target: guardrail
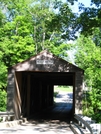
column 6, row 116
column 91, row 126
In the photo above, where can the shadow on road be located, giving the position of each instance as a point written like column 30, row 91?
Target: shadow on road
column 54, row 120
column 60, row 112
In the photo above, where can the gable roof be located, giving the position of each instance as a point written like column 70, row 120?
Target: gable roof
column 46, row 61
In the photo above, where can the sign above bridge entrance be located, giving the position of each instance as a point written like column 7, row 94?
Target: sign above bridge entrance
column 43, row 62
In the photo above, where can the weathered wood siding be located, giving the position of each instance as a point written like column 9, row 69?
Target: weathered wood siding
column 10, row 91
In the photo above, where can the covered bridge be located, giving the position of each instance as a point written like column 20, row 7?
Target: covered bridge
column 30, row 84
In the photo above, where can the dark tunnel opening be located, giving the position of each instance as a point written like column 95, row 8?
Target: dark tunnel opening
column 37, row 95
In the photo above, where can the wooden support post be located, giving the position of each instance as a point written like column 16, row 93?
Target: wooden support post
column 51, row 95
column 17, row 97
column 47, row 95
column 28, row 95
column 40, row 95
column 73, row 110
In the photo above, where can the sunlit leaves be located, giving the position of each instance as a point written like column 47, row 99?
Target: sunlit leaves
column 88, row 57
column 30, row 26
column 3, row 100
column 3, row 75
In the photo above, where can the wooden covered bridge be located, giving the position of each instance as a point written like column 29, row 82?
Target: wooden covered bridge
column 30, row 84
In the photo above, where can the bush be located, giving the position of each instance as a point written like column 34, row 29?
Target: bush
column 3, row 100
column 92, row 104
column 55, row 94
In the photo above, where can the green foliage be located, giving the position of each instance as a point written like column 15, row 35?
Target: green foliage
column 3, row 100
column 88, row 57
column 55, row 94
column 28, row 27
column 89, row 18
column 92, row 105
column 3, row 76
column 63, row 88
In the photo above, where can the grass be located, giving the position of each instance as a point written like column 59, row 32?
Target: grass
column 63, row 88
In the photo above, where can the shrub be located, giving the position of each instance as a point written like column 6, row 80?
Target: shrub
column 92, row 104
column 3, row 100
column 55, row 94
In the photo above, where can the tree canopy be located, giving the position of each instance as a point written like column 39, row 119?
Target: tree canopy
column 88, row 57
column 89, row 18
column 30, row 26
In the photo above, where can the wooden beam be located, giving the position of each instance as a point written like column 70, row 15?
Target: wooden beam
column 17, row 97
column 28, row 95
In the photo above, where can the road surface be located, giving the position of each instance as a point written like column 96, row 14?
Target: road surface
column 52, row 121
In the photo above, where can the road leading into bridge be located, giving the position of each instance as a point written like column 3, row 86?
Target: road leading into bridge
column 55, row 120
